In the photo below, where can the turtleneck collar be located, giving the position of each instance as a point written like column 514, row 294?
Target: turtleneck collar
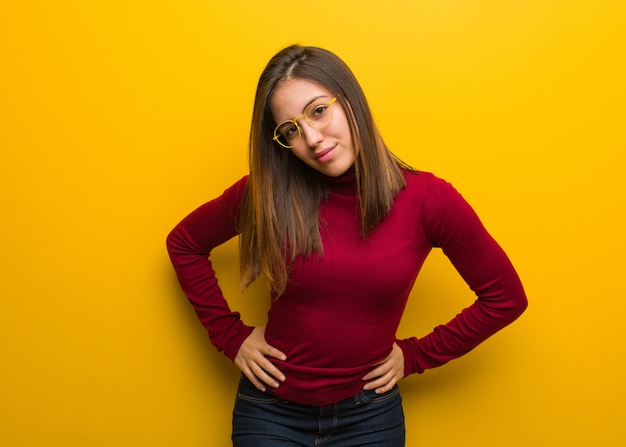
column 344, row 184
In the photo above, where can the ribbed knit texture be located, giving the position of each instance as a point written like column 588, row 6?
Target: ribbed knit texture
column 340, row 311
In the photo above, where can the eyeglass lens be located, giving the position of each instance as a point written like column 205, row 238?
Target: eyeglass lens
column 317, row 115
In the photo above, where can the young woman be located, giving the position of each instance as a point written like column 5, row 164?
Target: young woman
column 340, row 228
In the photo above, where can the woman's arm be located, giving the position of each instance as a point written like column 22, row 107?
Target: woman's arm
column 454, row 226
column 189, row 245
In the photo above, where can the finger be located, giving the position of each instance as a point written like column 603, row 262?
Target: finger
column 271, row 369
column 381, row 370
column 265, row 370
column 253, row 379
column 256, row 375
column 378, row 382
column 265, row 348
column 270, row 351
column 387, row 387
column 254, row 372
column 265, row 377
column 275, row 353
column 382, row 384
column 391, row 376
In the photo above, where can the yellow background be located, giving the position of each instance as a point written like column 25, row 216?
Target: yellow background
column 118, row 118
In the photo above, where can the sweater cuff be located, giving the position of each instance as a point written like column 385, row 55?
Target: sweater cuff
column 235, row 343
column 410, row 359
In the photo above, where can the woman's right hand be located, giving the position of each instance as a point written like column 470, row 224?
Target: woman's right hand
column 252, row 359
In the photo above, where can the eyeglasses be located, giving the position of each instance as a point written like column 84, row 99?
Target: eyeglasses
column 317, row 114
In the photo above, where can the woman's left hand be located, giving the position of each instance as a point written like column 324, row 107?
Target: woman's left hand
column 387, row 373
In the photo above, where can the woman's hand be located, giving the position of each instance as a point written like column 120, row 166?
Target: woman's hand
column 253, row 362
column 386, row 373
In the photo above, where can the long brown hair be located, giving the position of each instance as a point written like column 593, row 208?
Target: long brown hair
column 279, row 218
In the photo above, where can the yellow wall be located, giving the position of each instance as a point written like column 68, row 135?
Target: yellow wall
column 119, row 117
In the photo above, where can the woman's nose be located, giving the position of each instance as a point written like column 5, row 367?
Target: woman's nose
column 311, row 135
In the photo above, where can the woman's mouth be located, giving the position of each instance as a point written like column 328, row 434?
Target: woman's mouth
column 324, row 155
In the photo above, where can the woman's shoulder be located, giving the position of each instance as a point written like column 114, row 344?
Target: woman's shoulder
column 234, row 193
column 417, row 179
column 238, row 188
column 429, row 188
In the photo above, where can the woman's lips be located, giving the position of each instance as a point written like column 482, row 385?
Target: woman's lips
column 324, row 155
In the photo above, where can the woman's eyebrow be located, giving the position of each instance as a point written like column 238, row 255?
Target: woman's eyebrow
column 313, row 100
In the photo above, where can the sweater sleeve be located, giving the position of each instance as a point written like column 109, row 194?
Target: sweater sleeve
column 189, row 245
column 454, row 226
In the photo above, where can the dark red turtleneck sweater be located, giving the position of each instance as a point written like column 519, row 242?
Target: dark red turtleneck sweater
column 340, row 311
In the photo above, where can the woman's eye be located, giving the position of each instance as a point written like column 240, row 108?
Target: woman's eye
column 319, row 110
column 290, row 132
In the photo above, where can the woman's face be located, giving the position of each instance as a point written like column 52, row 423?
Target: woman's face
column 329, row 149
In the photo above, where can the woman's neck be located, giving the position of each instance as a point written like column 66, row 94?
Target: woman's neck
column 343, row 184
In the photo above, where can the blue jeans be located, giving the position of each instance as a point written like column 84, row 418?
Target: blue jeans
column 260, row 419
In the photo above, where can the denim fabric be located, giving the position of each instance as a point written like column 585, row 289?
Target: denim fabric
column 260, row 419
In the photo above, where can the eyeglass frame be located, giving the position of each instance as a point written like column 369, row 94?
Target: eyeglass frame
column 277, row 134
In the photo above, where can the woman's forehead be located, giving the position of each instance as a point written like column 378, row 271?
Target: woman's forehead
column 292, row 96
